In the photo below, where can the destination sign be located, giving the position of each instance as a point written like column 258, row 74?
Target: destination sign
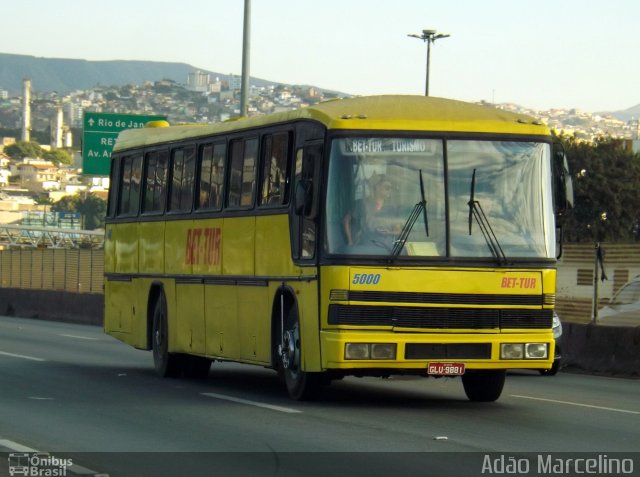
column 390, row 145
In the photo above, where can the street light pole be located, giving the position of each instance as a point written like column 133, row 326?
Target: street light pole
column 428, row 36
column 246, row 48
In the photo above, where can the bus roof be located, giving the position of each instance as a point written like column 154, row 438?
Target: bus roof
column 387, row 112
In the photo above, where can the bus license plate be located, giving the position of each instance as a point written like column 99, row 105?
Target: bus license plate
column 446, row 369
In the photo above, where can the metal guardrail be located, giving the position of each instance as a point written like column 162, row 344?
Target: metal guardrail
column 21, row 236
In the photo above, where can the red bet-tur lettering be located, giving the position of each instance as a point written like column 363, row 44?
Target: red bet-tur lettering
column 508, row 282
column 212, row 246
column 192, row 251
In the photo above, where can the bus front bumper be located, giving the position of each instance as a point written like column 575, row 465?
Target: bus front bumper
column 352, row 350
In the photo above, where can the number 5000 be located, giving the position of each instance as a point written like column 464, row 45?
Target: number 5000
column 366, row 279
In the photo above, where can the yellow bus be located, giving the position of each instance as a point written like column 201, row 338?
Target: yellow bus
column 369, row 236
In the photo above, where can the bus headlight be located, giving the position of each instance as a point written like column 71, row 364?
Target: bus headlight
column 370, row 351
column 383, row 351
column 535, row 351
column 511, row 351
column 356, row 351
column 524, row 350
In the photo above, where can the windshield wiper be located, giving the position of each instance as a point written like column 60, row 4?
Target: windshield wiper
column 475, row 211
column 419, row 208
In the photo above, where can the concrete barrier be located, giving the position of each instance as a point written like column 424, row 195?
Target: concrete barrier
column 600, row 349
column 84, row 308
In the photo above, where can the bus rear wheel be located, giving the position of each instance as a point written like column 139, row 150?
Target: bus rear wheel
column 483, row 386
column 167, row 365
column 301, row 385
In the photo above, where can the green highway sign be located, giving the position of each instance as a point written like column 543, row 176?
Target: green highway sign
column 100, row 134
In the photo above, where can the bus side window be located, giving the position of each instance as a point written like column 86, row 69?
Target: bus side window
column 155, row 182
column 242, row 182
column 275, row 170
column 131, row 172
column 182, row 179
column 211, row 186
column 113, row 189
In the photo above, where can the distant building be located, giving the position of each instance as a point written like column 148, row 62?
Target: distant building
column 235, row 83
column 198, row 81
column 73, row 112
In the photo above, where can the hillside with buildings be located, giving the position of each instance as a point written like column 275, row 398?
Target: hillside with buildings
column 54, row 120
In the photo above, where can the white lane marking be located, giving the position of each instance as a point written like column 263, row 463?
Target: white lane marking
column 78, row 337
column 40, row 398
column 22, row 356
column 253, row 403
column 16, row 447
column 569, row 403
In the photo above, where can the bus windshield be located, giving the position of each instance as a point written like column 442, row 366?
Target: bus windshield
column 390, row 194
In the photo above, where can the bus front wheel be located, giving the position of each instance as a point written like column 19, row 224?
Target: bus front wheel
column 483, row 386
column 167, row 364
column 301, row 385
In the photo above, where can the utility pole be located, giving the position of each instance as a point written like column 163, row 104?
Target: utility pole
column 246, row 48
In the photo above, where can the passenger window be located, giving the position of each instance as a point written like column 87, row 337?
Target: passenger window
column 275, row 170
column 182, row 179
column 155, row 182
column 242, row 180
column 211, row 187
column 131, row 171
column 113, row 189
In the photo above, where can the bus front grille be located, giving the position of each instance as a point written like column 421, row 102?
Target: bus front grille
column 447, row 351
column 445, row 298
column 439, row 317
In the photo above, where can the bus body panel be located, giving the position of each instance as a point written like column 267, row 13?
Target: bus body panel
column 151, row 247
column 238, row 246
column 222, row 329
column 191, row 326
column 272, row 233
column 125, row 237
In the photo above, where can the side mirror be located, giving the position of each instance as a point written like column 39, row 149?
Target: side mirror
column 563, row 180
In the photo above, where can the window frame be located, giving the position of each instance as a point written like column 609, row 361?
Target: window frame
column 213, row 143
column 266, row 151
column 188, row 208
column 127, row 164
column 242, row 142
column 164, row 187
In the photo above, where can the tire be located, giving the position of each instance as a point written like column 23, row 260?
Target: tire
column 483, row 386
column 301, row 385
column 557, row 364
column 551, row 372
column 167, row 365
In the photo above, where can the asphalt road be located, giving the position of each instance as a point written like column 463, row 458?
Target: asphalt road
column 70, row 390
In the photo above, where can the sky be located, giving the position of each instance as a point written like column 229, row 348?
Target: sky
column 538, row 54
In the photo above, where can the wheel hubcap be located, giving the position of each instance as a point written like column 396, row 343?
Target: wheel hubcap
column 289, row 350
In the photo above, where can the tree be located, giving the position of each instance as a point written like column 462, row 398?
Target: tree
column 91, row 207
column 58, row 156
column 22, row 149
column 606, row 183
